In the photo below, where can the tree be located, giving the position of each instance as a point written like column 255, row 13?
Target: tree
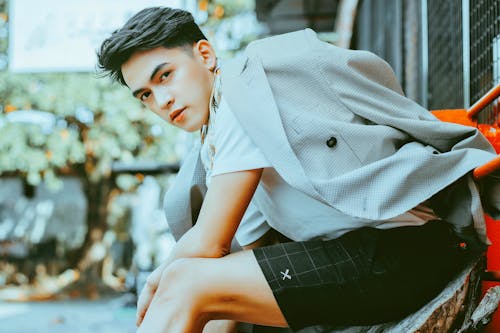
column 88, row 124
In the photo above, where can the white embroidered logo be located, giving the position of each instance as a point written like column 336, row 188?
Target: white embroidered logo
column 286, row 275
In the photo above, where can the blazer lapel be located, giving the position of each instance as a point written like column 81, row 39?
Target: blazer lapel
column 247, row 90
column 183, row 200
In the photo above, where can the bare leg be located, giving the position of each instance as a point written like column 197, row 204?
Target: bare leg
column 195, row 291
column 229, row 326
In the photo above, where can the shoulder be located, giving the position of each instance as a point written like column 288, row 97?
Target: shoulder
column 269, row 52
column 295, row 39
column 224, row 118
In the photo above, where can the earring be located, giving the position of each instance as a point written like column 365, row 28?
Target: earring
column 214, row 68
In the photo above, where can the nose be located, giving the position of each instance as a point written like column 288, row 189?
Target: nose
column 164, row 98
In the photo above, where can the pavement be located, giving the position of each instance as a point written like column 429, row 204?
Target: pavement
column 113, row 315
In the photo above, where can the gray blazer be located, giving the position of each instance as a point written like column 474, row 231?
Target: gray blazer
column 334, row 124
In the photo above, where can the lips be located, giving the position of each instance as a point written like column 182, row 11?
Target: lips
column 176, row 113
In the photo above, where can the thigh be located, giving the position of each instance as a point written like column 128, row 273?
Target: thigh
column 194, row 291
column 235, row 288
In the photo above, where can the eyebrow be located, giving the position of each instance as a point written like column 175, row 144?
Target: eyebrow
column 153, row 73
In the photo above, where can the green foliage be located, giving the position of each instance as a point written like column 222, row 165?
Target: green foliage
column 121, row 130
column 97, row 122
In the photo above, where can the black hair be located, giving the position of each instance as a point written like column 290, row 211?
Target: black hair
column 148, row 29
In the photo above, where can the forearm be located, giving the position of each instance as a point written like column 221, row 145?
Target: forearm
column 214, row 230
column 219, row 217
column 191, row 245
column 194, row 244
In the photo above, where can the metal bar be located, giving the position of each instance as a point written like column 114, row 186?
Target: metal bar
column 425, row 56
column 397, row 37
column 489, row 97
column 466, row 50
column 487, row 168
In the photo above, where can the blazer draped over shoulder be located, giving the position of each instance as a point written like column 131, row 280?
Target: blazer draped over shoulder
column 335, row 124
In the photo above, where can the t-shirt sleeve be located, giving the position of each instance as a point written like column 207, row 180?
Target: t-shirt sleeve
column 252, row 227
column 234, row 150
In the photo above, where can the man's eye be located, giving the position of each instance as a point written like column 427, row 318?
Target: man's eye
column 144, row 96
column 164, row 76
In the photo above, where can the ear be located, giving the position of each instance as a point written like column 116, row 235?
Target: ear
column 204, row 51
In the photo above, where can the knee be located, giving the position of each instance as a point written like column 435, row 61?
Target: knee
column 178, row 275
column 181, row 283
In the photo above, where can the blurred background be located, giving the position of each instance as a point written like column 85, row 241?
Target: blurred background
column 83, row 167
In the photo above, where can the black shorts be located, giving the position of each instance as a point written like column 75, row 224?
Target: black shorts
column 364, row 277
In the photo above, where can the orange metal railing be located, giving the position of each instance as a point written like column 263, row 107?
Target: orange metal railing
column 491, row 276
column 484, row 102
column 491, row 132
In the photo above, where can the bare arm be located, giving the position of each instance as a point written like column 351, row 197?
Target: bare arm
column 225, row 203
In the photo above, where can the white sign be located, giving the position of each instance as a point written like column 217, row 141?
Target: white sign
column 62, row 35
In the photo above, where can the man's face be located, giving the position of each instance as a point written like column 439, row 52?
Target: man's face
column 173, row 83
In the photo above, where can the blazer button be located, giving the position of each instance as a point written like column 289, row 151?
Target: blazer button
column 331, row 142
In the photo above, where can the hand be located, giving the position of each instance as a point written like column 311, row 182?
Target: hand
column 220, row 326
column 147, row 293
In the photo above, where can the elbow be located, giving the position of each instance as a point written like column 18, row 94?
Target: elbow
column 207, row 247
column 218, row 251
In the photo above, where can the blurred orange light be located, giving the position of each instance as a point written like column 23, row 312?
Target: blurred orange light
column 219, row 11
column 203, row 5
column 10, row 108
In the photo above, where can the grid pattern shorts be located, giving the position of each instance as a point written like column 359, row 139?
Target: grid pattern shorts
column 366, row 276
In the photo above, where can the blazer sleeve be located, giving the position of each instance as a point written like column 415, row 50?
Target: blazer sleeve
column 370, row 90
column 183, row 200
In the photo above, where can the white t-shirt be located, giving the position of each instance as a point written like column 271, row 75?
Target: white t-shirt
column 276, row 204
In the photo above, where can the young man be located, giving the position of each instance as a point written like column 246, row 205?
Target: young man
column 315, row 144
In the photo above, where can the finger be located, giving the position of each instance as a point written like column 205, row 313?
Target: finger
column 147, row 294
column 143, row 302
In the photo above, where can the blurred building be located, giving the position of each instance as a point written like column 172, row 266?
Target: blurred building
column 289, row 15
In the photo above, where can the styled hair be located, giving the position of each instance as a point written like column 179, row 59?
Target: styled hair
column 148, row 29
